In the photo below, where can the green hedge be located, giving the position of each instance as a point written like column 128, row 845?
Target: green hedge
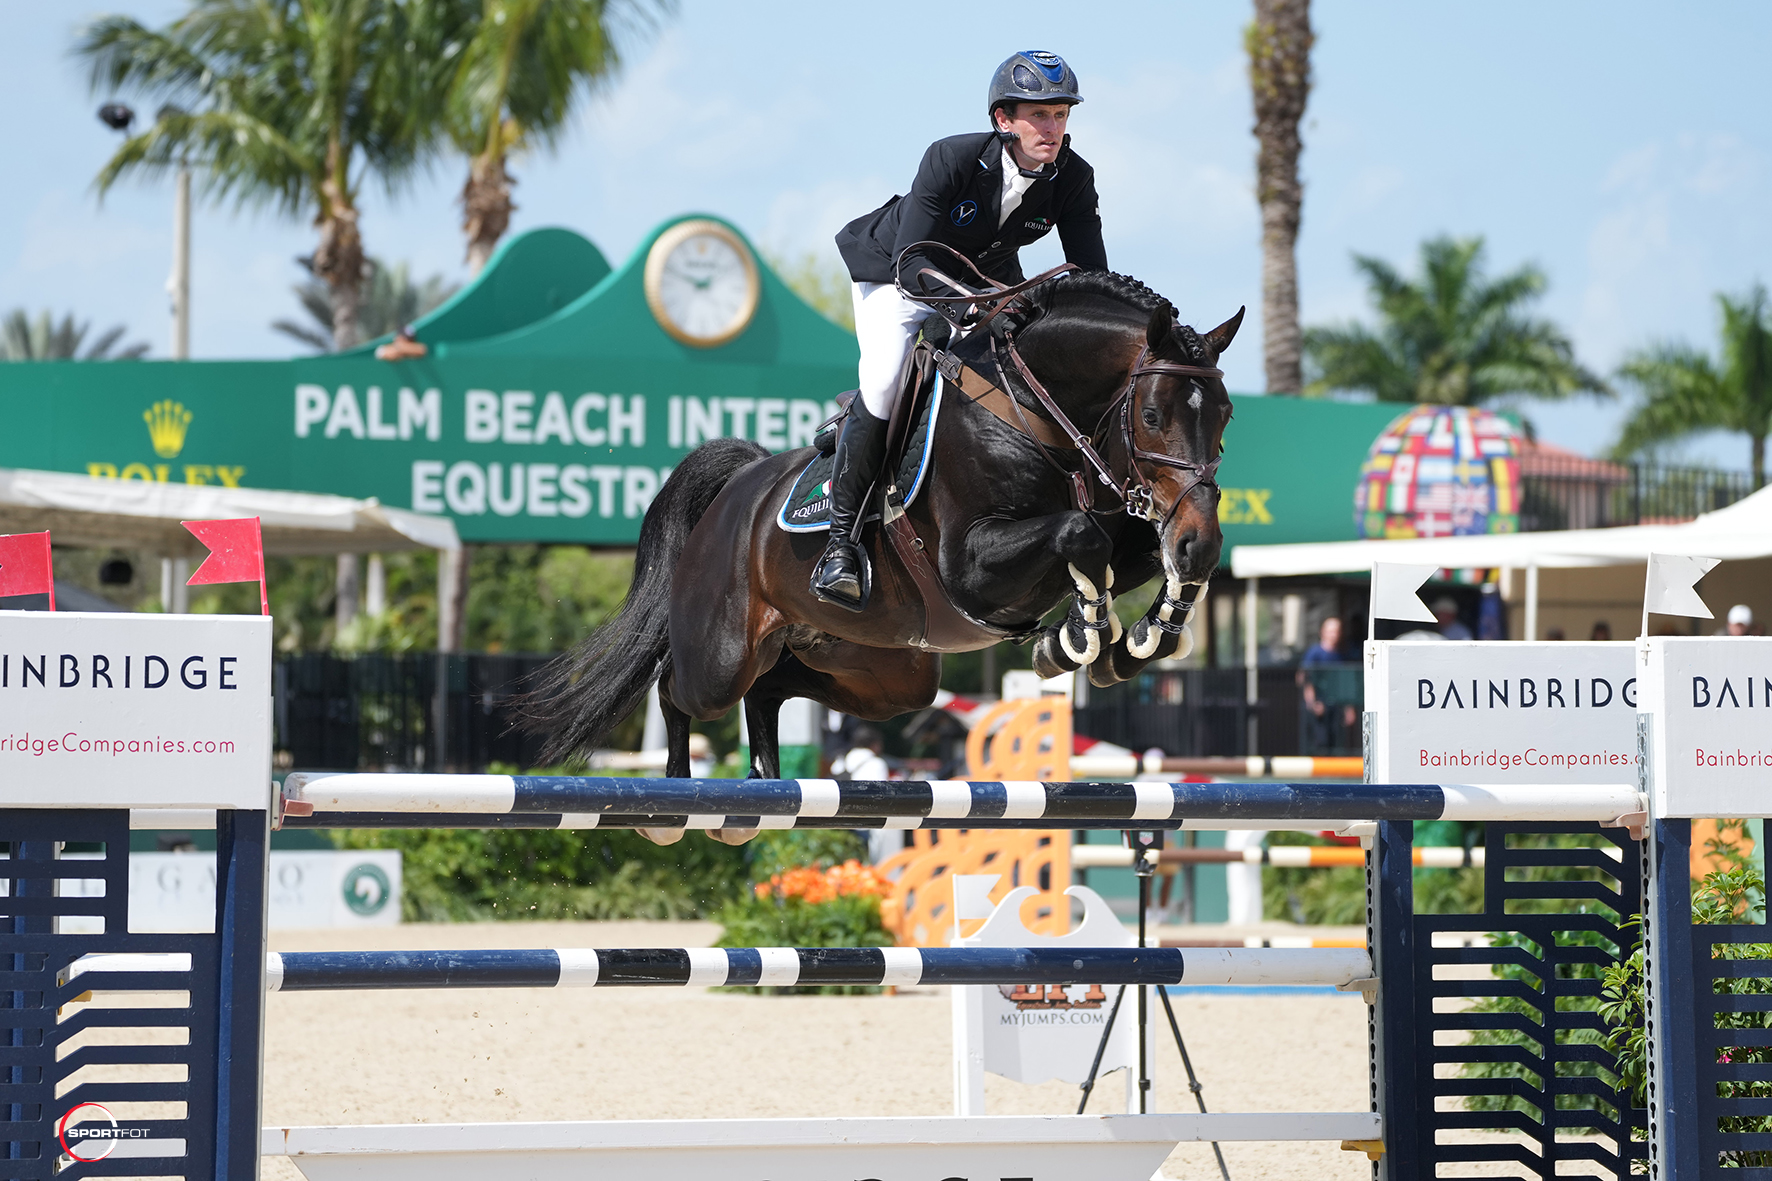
column 468, row 875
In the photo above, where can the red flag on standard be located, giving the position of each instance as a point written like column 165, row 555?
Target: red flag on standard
column 26, row 567
column 236, row 554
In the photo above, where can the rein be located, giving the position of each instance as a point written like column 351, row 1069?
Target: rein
column 1135, row 491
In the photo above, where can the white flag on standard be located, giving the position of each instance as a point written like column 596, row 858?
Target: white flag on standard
column 972, row 896
column 1394, row 588
column 1668, row 590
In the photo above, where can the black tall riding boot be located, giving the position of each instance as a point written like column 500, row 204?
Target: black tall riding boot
column 842, row 575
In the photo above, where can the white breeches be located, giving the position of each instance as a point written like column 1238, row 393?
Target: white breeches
column 886, row 326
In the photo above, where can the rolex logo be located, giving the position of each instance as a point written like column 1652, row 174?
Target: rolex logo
column 167, row 422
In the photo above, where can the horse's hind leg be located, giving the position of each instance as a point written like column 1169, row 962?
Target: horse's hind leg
column 676, row 733
column 762, row 719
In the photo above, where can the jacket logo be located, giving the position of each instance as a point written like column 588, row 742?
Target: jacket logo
column 1039, row 225
column 964, row 212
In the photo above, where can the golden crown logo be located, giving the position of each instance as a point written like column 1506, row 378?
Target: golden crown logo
column 167, row 422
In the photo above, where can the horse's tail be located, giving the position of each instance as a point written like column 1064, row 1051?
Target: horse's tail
column 585, row 693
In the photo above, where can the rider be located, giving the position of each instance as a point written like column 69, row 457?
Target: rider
column 985, row 194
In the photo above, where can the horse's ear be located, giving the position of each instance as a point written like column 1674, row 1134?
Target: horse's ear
column 1161, row 325
column 1219, row 339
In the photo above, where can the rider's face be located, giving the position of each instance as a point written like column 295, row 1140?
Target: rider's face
column 1039, row 131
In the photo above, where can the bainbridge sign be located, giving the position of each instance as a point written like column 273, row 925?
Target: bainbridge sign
column 107, row 710
column 1474, row 712
column 1708, row 703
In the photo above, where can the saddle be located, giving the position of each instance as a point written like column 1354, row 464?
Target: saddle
column 930, row 375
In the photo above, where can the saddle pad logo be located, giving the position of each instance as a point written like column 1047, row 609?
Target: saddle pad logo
column 964, row 212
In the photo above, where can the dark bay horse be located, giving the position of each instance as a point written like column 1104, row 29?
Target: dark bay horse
column 720, row 611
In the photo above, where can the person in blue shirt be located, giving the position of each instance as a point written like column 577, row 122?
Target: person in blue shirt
column 1445, row 611
column 1319, row 688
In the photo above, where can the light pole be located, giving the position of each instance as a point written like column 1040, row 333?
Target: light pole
column 118, row 117
column 174, row 597
column 178, row 284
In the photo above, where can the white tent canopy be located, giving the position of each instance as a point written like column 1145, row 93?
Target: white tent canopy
column 142, row 515
column 1741, row 530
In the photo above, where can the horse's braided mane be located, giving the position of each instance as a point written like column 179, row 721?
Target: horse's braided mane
column 1109, row 285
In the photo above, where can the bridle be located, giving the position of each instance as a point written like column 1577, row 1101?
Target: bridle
column 1135, row 491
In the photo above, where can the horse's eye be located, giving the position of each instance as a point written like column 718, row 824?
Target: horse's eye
column 1150, row 418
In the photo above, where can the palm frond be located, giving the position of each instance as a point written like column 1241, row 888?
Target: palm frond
column 43, row 338
column 1680, row 392
column 389, row 300
column 1450, row 335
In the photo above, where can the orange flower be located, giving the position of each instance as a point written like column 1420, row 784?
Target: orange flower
column 814, row 886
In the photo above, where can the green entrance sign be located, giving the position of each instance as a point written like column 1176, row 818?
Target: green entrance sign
column 557, row 394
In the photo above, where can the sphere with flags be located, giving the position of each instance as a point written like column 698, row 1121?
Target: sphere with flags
column 1441, row 471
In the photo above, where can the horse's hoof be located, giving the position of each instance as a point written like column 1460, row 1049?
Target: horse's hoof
column 1050, row 658
column 733, row 836
column 661, row 836
column 1102, row 673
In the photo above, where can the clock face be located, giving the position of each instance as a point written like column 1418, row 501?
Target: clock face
column 701, row 283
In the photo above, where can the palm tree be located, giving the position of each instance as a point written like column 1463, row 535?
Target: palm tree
column 1452, row 337
column 525, row 67
column 1683, row 390
column 42, row 339
column 288, row 103
column 821, row 281
column 1279, row 46
column 390, row 301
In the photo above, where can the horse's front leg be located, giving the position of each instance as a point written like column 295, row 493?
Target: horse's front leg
column 1162, row 633
column 1007, row 560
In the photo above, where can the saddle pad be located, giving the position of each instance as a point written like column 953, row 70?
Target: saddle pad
column 808, row 505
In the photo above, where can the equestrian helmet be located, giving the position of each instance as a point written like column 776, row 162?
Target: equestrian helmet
column 1033, row 76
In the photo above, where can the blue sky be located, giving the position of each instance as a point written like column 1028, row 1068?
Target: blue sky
column 1623, row 148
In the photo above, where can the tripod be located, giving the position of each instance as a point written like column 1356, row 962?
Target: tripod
column 1145, row 867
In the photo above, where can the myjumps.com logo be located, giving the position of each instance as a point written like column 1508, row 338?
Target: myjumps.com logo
column 94, row 1141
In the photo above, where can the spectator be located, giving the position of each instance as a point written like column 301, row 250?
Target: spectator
column 863, row 760
column 1741, row 620
column 1327, row 649
column 1556, row 633
column 1446, row 613
column 1602, row 630
column 1325, row 654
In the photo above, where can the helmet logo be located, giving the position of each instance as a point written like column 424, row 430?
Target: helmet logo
column 963, row 213
column 1050, row 64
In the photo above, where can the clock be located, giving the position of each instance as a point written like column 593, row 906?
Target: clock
column 702, row 283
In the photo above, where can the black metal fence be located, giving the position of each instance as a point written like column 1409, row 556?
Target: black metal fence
column 382, row 712
column 1195, row 713
column 1569, row 492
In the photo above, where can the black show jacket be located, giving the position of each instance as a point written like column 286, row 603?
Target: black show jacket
column 956, row 200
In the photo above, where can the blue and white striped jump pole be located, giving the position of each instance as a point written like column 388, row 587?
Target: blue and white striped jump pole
column 784, row 966
column 320, row 800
